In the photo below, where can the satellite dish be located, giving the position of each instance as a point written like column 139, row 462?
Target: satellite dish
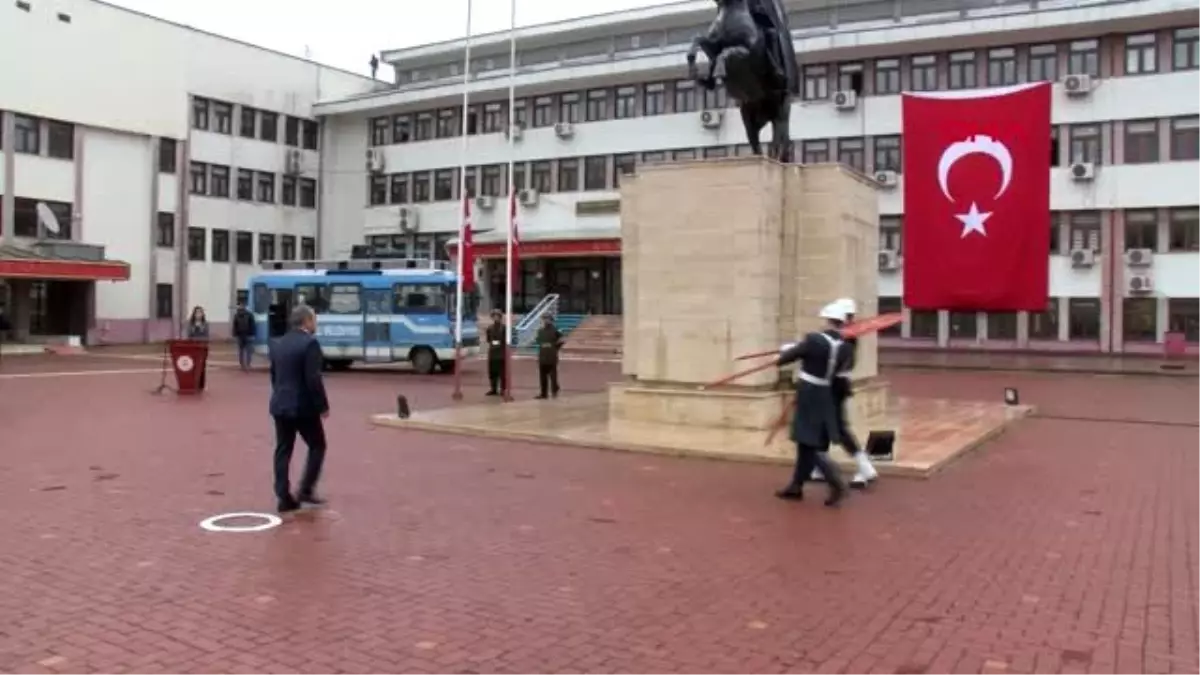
column 47, row 218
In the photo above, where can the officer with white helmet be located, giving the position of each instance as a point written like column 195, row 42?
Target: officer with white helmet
column 842, row 390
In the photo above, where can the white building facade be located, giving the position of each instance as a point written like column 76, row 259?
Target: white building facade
column 596, row 97
column 174, row 160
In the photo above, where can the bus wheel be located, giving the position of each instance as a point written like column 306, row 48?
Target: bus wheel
column 423, row 360
column 338, row 365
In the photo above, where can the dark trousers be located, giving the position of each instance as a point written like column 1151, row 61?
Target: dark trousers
column 809, row 458
column 849, row 442
column 548, row 379
column 245, row 352
column 313, row 432
column 495, row 373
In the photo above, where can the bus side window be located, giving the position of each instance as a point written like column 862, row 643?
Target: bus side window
column 345, row 299
column 313, row 295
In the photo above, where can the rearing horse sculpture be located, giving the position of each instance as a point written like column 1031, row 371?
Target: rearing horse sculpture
column 750, row 43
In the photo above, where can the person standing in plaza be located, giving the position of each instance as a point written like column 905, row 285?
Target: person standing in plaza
column 298, row 406
column 243, row 332
column 549, row 341
column 842, row 390
column 196, row 328
column 814, row 421
column 495, row 338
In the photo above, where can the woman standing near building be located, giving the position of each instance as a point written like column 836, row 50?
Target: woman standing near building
column 196, row 328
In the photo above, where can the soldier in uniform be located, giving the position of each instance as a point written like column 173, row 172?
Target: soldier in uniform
column 815, row 422
column 496, row 334
column 842, row 390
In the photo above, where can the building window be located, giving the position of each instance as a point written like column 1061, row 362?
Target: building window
column 816, row 83
column 1002, row 66
column 443, row 185
column 1141, row 52
column 1141, row 229
column 60, row 140
column 469, row 183
column 683, row 155
column 1183, row 316
column 850, row 153
column 963, row 70
column 493, row 118
column 923, row 73
column 890, row 305
column 1083, row 58
column 399, row 188
column 716, row 152
column 267, row 187
column 716, row 99
column 379, row 131
column 520, row 116
column 247, row 128
column 623, row 165
column 1044, row 325
column 815, row 152
column 568, row 175
column 164, row 230
column 197, row 243
column 164, row 301
column 543, row 111
column 1085, row 143
column 654, row 157
column 245, row 184
column 570, row 108
column 1185, row 54
column 220, row 246
column 167, row 160
column 539, row 176
column 964, row 325
column 654, row 100
column 308, row 248
column 27, row 223
column 1083, row 232
column 597, row 105
column 421, row 187
column 268, row 127
column 1184, row 230
column 518, row 176
column 423, row 131
column 1083, row 319
column 595, row 173
column 311, row 131
column 287, row 247
column 27, row 132
column 887, row 153
column 291, row 131
column 244, row 248
column 266, row 246
column 491, row 180
column 890, row 233
column 1055, row 226
column 222, row 117
column 1139, row 319
column 308, row 193
column 850, row 78
column 923, row 324
column 402, row 125
column 1141, row 141
column 199, row 113
column 1185, row 138
column 287, row 190
column 1043, row 63
column 1002, row 325
column 218, row 181
column 685, row 96
column 887, row 76
column 448, row 123
column 625, row 103
column 198, row 173
column 377, row 190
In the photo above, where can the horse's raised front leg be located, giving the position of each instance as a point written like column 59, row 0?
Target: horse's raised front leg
column 711, row 49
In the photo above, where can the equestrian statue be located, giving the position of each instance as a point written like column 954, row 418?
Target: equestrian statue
column 749, row 47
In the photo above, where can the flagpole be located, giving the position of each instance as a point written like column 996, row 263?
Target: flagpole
column 512, row 207
column 463, row 224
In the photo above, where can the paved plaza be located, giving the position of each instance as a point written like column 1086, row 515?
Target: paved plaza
column 1067, row 544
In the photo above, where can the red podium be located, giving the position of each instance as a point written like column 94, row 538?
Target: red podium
column 188, row 359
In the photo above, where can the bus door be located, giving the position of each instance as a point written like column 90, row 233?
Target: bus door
column 278, row 312
column 377, row 325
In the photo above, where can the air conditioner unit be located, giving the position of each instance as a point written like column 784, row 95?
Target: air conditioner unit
column 1077, row 85
column 889, row 260
column 409, row 219
column 1083, row 171
column 1139, row 257
column 1082, row 258
column 528, row 198
column 515, row 131
column 485, row 202
column 1139, row 283
column 712, row 119
column 564, row 130
column 845, row 100
column 375, row 160
column 293, row 162
column 887, row 179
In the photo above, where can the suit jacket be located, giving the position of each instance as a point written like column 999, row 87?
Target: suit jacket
column 297, row 387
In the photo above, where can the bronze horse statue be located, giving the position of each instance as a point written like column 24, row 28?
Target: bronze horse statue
column 749, row 46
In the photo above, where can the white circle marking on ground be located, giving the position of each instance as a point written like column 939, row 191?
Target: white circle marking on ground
column 269, row 520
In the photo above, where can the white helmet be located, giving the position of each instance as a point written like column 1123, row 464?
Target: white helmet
column 834, row 311
column 848, row 306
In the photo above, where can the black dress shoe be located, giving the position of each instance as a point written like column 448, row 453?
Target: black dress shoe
column 289, row 506
column 790, row 493
column 310, row 502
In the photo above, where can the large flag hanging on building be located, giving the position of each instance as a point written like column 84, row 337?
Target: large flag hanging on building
column 516, row 242
column 466, row 248
column 977, row 199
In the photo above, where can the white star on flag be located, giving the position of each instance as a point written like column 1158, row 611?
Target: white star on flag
column 973, row 221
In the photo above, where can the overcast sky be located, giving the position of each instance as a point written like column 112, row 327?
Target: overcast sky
column 347, row 32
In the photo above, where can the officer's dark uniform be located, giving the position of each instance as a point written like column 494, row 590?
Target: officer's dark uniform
column 815, row 423
column 495, row 337
column 842, row 389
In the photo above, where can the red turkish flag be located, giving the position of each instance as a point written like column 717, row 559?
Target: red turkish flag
column 977, row 199
column 466, row 248
column 516, row 243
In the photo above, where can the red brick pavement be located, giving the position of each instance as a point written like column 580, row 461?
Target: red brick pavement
column 1067, row 545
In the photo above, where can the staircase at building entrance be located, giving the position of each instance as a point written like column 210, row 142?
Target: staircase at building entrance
column 595, row 336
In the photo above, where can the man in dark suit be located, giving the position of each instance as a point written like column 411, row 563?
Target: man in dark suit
column 298, row 404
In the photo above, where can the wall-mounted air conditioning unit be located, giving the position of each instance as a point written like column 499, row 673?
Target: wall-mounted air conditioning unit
column 889, row 260
column 1139, row 257
column 1082, row 258
column 293, row 162
column 712, row 119
column 375, row 160
column 485, row 202
column 1083, row 171
column 564, row 130
column 845, row 100
column 1077, row 85
column 528, row 198
column 409, row 219
column 887, row 179
column 515, row 131
column 1139, row 284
